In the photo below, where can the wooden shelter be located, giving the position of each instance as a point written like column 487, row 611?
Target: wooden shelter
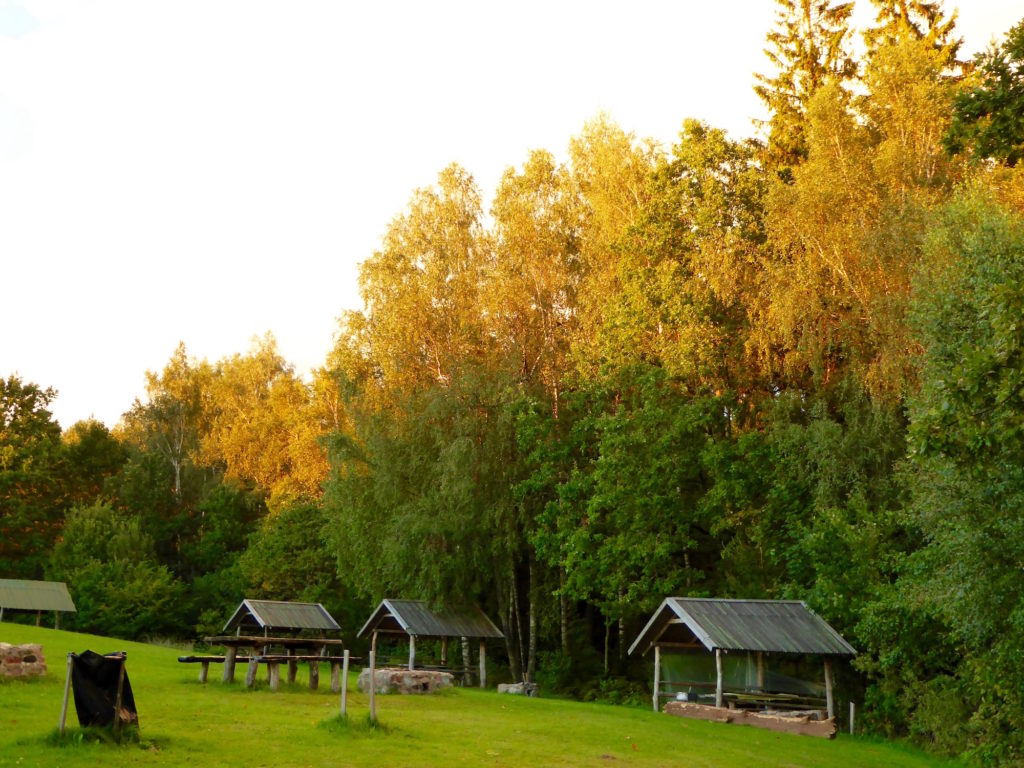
column 415, row 619
column 38, row 596
column 756, row 627
column 266, row 616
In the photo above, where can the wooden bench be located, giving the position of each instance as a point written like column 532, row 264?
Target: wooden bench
column 206, row 661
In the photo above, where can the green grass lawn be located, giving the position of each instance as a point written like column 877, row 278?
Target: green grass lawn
column 185, row 723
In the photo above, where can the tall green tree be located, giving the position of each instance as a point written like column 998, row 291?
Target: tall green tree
column 988, row 113
column 809, row 46
column 32, row 477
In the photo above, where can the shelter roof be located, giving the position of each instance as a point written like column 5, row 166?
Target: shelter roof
column 772, row 626
column 281, row 614
column 25, row 595
column 415, row 617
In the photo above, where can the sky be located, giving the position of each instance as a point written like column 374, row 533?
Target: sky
column 208, row 171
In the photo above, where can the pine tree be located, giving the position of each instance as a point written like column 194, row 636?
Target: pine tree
column 917, row 18
column 808, row 47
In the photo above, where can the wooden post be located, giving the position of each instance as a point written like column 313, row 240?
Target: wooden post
column 718, row 677
column 67, row 690
column 204, row 670
column 760, row 670
column 1, row 613
column 344, row 683
column 229, row 665
column 314, row 675
column 335, row 675
column 293, row 667
column 444, row 651
column 829, row 701
column 852, row 711
column 274, row 675
column 56, row 619
column 39, row 618
column 250, row 675
column 657, row 677
column 373, row 679
column 412, row 652
column 483, row 663
column 117, row 701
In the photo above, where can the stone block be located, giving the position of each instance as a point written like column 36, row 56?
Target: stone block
column 399, row 680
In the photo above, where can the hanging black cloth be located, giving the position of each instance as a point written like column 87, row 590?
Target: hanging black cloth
column 94, row 679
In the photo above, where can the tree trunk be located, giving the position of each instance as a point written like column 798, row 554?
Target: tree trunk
column 607, row 636
column 508, row 621
column 563, row 607
column 531, row 661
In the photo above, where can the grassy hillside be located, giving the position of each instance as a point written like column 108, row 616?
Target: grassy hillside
column 186, row 723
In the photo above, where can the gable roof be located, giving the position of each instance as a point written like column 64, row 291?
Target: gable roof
column 281, row 614
column 772, row 626
column 415, row 617
column 26, row 595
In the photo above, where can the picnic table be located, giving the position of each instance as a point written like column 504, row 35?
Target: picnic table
column 272, row 651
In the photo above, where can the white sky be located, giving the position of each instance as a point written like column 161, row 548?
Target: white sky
column 207, row 171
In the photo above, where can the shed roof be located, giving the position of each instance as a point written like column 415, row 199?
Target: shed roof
column 772, row 626
column 25, row 595
column 415, row 617
column 281, row 614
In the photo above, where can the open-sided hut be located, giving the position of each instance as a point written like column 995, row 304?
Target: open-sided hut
column 755, row 627
column 38, row 596
column 267, row 616
column 415, row 619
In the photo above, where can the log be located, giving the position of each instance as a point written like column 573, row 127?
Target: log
column 802, row 725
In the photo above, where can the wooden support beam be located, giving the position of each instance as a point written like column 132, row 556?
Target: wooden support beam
column 67, row 690
column 204, row 670
column 293, row 668
column 657, row 676
column 718, row 677
column 250, row 674
column 56, row 619
column 373, row 679
column 444, row 651
column 335, row 675
column 274, row 675
column 229, row 665
column 412, row 652
column 830, row 703
column 760, row 670
column 483, row 663
column 117, row 701
column 314, row 675
column 344, row 683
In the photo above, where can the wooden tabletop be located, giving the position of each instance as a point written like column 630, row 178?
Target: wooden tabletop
column 256, row 641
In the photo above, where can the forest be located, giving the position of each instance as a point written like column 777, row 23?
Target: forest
column 783, row 366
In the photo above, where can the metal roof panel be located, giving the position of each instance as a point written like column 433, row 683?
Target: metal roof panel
column 418, row 619
column 281, row 614
column 27, row 595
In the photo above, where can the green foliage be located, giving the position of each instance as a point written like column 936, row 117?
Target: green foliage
column 988, row 113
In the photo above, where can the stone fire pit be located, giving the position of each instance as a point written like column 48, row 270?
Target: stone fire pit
column 22, row 660
column 400, row 680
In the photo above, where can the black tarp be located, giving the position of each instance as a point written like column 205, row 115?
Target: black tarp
column 94, row 679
